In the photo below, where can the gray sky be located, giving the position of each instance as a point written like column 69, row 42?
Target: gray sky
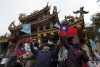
column 10, row 9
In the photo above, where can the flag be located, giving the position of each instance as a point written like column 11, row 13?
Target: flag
column 98, row 1
column 63, row 30
column 68, row 31
column 19, row 52
column 57, row 25
column 99, row 30
column 26, row 28
column 72, row 31
column 92, row 43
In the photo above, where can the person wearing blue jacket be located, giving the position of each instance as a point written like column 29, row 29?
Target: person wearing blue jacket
column 43, row 56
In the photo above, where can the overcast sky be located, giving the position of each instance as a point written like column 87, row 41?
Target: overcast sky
column 10, row 9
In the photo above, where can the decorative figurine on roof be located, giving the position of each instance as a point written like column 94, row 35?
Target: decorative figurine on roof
column 54, row 9
column 12, row 25
column 66, row 20
column 82, row 12
column 47, row 6
column 69, row 20
column 21, row 15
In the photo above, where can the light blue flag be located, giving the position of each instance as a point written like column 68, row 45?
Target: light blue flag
column 99, row 30
column 57, row 25
column 26, row 28
column 92, row 43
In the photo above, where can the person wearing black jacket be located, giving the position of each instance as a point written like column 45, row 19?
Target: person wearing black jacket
column 43, row 56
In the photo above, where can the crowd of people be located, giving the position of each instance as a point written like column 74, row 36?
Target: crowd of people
column 62, row 53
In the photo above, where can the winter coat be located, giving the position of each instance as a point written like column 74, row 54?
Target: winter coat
column 76, row 55
column 43, row 58
column 54, row 58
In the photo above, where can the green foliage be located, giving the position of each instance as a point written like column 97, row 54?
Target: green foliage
column 96, row 20
column 93, row 31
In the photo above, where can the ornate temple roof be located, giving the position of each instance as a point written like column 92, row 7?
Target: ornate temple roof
column 12, row 26
column 33, row 16
column 40, row 21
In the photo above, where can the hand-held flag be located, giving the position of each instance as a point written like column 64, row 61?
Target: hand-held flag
column 63, row 30
column 67, row 31
column 72, row 31
column 57, row 25
column 26, row 28
column 92, row 43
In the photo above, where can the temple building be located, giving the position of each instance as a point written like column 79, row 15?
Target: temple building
column 42, row 26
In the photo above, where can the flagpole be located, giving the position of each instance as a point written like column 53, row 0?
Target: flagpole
column 30, row 33
column 30, row 37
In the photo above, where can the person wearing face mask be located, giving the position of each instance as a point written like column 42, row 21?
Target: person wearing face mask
column 50, row 42
column 76, row 55
column 43, row 56
column 53, row 47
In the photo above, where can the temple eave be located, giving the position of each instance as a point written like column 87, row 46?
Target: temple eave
column 43, row 21
column 42, row 32
column 28, row 18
